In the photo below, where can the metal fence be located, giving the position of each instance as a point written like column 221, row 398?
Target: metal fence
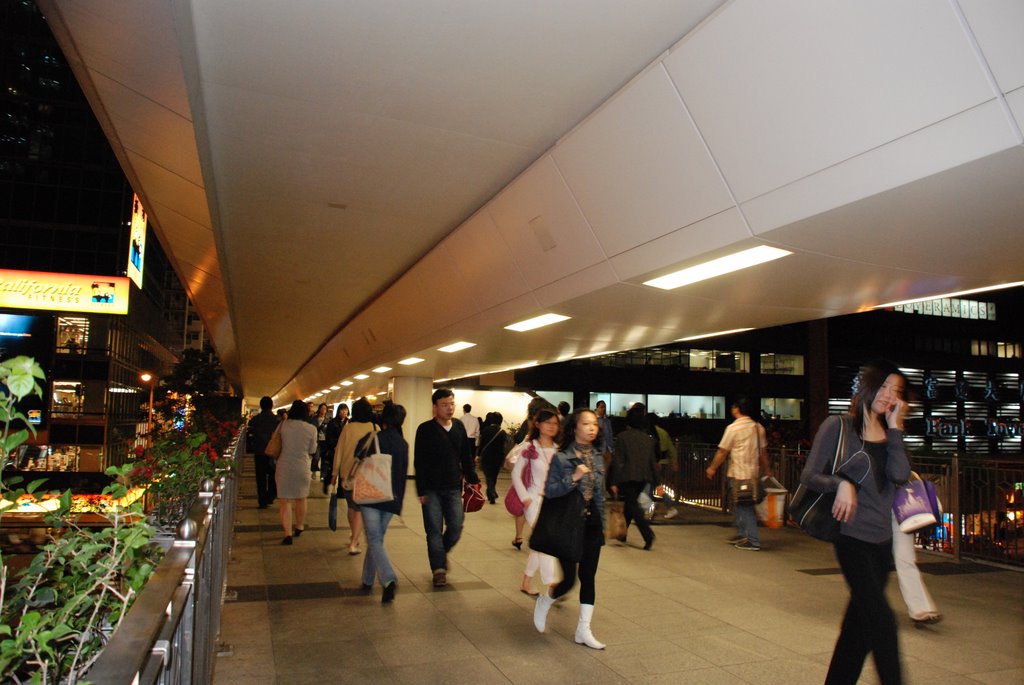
column 169, row 635
column 982, row 498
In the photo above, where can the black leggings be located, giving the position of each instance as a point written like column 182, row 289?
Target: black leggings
column 869, row 625
column 593, row 538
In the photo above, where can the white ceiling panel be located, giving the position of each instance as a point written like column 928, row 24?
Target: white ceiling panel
column 541, row 222
column 774, row 110
column 998, row 26
column 638, row 167
column 978, row 132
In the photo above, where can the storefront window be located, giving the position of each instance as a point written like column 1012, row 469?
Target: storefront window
column 719, row 360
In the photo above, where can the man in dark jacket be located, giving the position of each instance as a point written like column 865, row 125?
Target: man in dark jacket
column 261, row 427
column 443, row 457
column 634, row 466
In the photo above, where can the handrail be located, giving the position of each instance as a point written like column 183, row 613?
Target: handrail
column 169, row 633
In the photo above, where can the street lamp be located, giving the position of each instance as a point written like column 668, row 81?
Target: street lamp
column 148, row 378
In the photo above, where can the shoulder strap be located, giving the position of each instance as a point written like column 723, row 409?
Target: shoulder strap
column 840, row 443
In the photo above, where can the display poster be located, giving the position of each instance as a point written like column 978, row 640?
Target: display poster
column 137, row 242
column 63, row 292
column 31, row 336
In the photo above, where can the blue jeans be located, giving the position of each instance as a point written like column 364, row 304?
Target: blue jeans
column 442, row 521
column 376, row 563
column 746, row 523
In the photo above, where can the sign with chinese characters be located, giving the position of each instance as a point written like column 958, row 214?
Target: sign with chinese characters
column 63, row 292
column 137, row 242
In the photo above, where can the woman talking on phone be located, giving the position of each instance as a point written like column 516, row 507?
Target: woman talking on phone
column 874, row 461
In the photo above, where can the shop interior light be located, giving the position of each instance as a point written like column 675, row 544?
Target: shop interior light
column 410, row 361
column 960, row 293
column 382, row 369
column 717, row 267
column 455, row 347
column 712, row 335
column 360, row 376
column 536, row 322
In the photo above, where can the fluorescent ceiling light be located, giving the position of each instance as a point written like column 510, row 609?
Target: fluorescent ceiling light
column 536, row 322
column 360, row 376
column 410, row 361
column 712, row 335
column 717, row 267
column 335, row 387
column 346, row 383
column 324, row 391
column 455, row 347
column 947, row 295
column 382, row 369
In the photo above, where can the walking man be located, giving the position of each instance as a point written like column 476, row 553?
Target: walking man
column 443, row 458
column 261, row 428
column 633, row 468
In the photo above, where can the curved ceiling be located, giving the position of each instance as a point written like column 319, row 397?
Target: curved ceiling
column 343, row 185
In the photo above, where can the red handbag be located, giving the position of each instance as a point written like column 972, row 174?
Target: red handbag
column 472, row 498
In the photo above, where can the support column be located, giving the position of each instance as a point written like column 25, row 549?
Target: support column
column 413, row 393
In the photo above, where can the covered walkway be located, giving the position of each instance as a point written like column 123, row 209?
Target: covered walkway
column 692, row 610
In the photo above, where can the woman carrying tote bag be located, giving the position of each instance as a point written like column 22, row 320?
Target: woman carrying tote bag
column 577, row 469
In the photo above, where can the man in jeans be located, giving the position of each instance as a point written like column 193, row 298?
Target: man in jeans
column 744, row 442
column 444, row 456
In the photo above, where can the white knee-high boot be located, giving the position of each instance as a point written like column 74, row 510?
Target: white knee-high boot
column 583, row 634
column 540, row 611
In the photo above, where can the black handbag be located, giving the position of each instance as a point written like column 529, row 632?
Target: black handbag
column 812, row 510
column 560, row 526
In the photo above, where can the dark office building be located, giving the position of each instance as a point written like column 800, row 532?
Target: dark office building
column 65, row 227
column 962, row 355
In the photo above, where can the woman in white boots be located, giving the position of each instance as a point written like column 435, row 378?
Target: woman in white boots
column 578, row 466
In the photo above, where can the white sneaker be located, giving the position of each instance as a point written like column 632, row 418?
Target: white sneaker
column 671, row 513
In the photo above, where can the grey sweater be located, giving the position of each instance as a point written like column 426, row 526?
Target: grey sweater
column 874, row 469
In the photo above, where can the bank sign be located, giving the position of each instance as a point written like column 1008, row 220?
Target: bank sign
column 63, row 292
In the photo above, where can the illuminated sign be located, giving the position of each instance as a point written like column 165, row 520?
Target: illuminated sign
column 63, row 292
column 137, row 243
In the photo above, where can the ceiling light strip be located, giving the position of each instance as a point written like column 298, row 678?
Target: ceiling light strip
column 718, row 267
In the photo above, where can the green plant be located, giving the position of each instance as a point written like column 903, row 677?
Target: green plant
column 72, row 595
column 75, row 591
column 173, row 467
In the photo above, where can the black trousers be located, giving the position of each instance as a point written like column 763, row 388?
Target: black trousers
column 593, row 538
column 869, row 625
column 491, row 472
column 629, row 491
column 266, row 485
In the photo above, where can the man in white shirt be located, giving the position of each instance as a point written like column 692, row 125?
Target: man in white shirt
column 472, row 425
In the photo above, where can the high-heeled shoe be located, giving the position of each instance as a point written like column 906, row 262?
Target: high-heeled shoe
column 518, row 543
column 297, row 532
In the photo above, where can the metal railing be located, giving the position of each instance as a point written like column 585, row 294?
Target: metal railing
column 169, row 635
column 983, row 499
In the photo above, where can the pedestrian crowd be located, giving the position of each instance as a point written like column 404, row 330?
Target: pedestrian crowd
column 575, row 483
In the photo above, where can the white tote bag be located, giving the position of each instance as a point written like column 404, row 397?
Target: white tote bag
column 371, row 477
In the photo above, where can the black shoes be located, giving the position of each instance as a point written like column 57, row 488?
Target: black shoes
column 287, row 540
column 649, row 543
column 297, row 532
column 389, row 593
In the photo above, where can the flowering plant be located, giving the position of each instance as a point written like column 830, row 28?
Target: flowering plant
column 175, row 464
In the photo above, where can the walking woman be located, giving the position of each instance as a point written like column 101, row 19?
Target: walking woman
column 578, row 465
column 298, row 444
column 529, row 474
column 492, row 452
column 376, row 517
column 521, row 436
column 344, row 457
column 874, row 462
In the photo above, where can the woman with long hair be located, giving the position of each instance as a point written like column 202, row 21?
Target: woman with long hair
column 578, row 465
column 344, row 457
column 492, row 452
column 874, row 462
column 376, row 517
column 529, row 473
column 298, row 445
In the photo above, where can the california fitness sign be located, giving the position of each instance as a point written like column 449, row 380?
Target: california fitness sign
column 63, row 292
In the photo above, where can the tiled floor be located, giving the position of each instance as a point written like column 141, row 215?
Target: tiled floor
column 692, row 610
